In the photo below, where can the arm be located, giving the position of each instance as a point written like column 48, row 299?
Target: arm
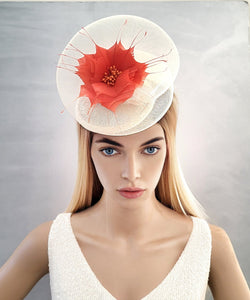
column 26, row 266
column 226, row 279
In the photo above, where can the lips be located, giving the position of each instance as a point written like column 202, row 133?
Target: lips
column 131, row 193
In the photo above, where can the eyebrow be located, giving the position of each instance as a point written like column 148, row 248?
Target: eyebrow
column 109, row 141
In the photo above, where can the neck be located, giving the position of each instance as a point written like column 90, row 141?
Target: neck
column 129, row 220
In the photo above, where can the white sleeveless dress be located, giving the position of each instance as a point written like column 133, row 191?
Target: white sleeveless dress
column 71, row 278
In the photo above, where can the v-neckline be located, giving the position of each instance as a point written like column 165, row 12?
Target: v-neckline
column 170, row 273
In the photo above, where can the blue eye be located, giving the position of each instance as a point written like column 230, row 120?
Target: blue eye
column 151, row 150
column 111, row 151
column 108, row 151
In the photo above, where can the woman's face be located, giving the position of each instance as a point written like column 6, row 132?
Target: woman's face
column 129, row 161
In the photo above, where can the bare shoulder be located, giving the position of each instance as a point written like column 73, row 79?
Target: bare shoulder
column 27, row 265
column 39, row 241
column 226, row 279
column 36, row 245
column 41, row 231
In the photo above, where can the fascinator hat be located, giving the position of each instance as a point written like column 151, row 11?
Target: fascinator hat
column 116, row 75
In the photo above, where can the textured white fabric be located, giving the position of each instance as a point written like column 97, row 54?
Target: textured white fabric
column 71, row 278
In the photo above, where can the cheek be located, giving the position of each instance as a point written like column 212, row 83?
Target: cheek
column 105, row 169
column 154, row 170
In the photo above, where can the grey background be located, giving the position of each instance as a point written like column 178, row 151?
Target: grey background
column 39, row 143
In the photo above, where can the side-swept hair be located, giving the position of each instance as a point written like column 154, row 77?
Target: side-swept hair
column 171, row 190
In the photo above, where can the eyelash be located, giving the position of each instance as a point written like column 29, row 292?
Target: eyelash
column 102, row 150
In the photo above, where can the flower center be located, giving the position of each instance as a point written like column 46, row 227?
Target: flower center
column 110, row 77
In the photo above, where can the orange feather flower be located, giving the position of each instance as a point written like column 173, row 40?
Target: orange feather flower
column 111, row 75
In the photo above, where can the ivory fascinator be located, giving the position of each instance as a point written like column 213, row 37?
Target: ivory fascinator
column 116, row 75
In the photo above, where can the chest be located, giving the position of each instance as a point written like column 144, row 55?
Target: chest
column 131, row 272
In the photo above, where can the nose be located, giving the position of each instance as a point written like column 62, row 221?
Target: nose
column 131, row 168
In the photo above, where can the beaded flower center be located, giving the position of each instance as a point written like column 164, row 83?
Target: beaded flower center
column 110, row 77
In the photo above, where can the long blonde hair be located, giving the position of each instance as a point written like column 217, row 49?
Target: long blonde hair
column 172, row 189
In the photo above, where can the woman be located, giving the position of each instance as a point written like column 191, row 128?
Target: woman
column 132, row 230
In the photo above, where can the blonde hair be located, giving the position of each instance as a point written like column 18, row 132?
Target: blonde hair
column 171, row 190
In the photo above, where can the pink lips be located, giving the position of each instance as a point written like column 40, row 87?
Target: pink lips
column 131, row 192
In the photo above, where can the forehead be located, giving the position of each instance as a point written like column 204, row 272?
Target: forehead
column 147, row 134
